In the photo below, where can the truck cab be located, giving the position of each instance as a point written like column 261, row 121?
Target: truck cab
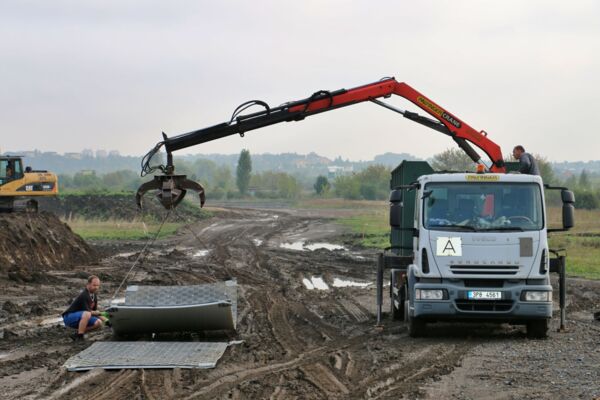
column 475, row 249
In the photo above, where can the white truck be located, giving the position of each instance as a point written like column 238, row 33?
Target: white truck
column 471, row 247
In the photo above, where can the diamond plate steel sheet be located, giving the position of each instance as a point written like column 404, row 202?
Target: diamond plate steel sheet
column 122, row 355
column 178, row 295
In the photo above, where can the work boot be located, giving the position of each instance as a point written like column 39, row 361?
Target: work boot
column 77, row 337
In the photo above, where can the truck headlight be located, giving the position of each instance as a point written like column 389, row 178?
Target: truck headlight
column 535, row 295
column 429, row 294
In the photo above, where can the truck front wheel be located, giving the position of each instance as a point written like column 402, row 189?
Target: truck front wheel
column 416, row 326
column 537, row 329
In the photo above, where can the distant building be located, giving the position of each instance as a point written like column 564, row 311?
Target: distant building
column 74, row 156
column 114, row 153
column 87, row 153
column 334, row 171
column 101, row 154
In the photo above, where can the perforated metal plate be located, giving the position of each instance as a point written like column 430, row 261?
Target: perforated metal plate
column 122, row 355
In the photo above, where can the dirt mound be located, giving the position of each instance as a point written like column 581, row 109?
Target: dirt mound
column 31, row 243
column 122, row 206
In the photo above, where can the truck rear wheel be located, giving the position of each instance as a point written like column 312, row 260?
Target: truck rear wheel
column 397, row 298
column 537, row 329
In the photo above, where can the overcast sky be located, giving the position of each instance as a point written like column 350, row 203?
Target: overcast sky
column 113, row 75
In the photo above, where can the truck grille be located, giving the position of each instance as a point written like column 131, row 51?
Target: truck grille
column 484, row 269
column 484, row 305
column 484, row 283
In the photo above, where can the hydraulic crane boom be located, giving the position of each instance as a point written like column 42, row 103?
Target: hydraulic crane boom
column 174, row 186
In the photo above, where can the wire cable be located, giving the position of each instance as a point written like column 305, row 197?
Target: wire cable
column 150, row 241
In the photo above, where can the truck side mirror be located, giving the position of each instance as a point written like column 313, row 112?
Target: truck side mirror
column 396, row 208
column 568, row 210
column 396, row 196
column 567, row 196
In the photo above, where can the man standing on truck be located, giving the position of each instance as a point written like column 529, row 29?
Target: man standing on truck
column 83, row 313
column 528, row 164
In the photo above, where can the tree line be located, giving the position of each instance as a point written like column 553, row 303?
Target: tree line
column 372, row 183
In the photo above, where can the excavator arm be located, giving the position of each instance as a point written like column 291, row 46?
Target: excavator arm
column 443, row 121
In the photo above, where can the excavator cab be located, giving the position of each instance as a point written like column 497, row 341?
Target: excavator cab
column 11, row 168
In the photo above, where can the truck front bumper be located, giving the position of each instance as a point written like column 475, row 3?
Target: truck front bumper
column 511, row 307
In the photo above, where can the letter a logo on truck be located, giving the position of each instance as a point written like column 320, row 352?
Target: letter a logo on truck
column 449, row 246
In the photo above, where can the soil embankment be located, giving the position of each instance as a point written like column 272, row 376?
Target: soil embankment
column 118, row 206
column 32, row 243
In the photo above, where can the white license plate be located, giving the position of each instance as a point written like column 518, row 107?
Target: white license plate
column 483, row 295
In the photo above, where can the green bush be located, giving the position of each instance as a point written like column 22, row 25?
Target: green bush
column 585, row 199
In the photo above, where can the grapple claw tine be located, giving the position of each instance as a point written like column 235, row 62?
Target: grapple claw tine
column 153, row 184
column 195, row 186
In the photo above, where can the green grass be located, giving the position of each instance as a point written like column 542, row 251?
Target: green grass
column 583, row 254
column 325, row 203
column 371, row 229
column 121, row 230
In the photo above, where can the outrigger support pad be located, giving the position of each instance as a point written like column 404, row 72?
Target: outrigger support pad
column 171, row 189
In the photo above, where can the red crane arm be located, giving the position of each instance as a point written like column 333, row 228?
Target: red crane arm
column 444, row 121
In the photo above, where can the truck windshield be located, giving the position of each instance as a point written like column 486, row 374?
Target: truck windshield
column 490, row 206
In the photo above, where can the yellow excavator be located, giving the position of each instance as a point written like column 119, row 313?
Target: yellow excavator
column 19, row 187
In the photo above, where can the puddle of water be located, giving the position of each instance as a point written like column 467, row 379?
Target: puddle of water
column 326, row 246
column 201, row 253
column 337, row 282
column 257, row 242
column 308, row 284
column 51, row 321
column 126, row 255
column 299, row 245
column 275, row 216
column 293, row 246
column 319, row 283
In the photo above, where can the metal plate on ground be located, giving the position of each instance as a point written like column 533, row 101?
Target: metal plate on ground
column 155, row 309
column 193, row 318
column 184, row 295
column 122, row 355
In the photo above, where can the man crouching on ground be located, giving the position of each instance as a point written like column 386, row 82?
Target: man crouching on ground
column 83, row 313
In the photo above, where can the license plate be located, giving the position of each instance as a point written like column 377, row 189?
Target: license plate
column 483, row 295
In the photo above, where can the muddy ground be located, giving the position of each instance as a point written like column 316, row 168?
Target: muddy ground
column 297, row 343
